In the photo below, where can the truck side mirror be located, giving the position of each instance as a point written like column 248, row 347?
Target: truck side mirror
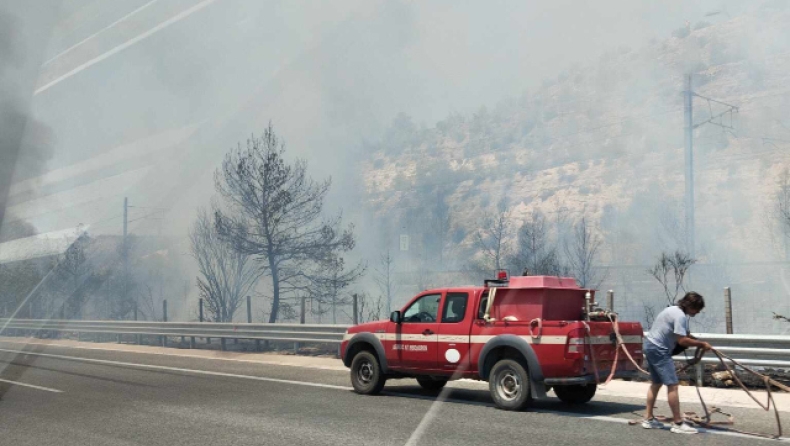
column 395, row 317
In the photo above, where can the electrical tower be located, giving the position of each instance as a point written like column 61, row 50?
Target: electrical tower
column 689, row 127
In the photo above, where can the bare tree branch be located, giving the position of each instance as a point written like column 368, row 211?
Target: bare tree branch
column 274, row 213
column 491, row 239
column 333, row 278
column 582, row 254
column 226, row 275
column 384, row 278
column 369, row 308
column 670, row 271
column 535, row 251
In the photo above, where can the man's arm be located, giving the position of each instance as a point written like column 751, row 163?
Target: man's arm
column 689, row 341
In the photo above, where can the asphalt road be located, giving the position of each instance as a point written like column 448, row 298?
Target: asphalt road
column 94, row 397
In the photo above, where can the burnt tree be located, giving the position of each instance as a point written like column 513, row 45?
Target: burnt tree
column 226, row 275
column 274, row 212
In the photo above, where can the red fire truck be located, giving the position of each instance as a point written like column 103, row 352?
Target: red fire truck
column 523, row 334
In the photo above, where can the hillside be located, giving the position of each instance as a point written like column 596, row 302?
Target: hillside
column 606, row 141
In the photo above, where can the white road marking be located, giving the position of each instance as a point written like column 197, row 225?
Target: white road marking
column 605, row 418
column 178, row 369
column 702, row 430
column 183, row 355
column 17, row 383
column 330, row 386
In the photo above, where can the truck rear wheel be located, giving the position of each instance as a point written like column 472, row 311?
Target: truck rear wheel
column 576, row 394
column 509, row 385
column 366, row 376
column 430, row 384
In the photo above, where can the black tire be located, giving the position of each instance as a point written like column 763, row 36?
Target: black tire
column 366, row 376
column 576, row 394
column 430, row 384
column 509, row 385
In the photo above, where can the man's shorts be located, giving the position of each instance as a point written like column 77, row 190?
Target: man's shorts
column 660, row 364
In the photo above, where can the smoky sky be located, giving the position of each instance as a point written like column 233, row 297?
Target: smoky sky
column 329, row 76
column 332, row 77
column 25, row 142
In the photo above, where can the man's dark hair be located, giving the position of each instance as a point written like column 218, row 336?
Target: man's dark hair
column 692, row 301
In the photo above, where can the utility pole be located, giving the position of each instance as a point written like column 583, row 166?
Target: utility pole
column 125, row 254
column 784, row 215
column 688, row 96
column 689, row 127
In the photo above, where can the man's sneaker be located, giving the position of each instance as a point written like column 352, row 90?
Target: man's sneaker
column 683, row 428
column 652, row 424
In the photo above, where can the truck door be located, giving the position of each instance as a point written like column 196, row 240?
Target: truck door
column 415, row 343
column 454, row 328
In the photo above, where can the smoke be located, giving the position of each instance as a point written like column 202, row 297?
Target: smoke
column 450, row 85
column 25, row 143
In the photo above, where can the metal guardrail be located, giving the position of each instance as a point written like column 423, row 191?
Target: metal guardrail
column 753, row 350
column 312, row 333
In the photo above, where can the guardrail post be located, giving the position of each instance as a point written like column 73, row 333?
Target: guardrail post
column 728, row 309
column 119, row 339
column 356, row 309
column 700, row 369
column 202, row 319
column 249, row 310
column 257, row 345
column 298, row 345
column 222, row 344
column 164, row 319
column 610, row 300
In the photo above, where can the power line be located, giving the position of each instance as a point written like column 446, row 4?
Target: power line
column 149, row 207
column 146, row 216
column 719, row 116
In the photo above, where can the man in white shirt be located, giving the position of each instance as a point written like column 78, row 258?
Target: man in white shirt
column 671, row 328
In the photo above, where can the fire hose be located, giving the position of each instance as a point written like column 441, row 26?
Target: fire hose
column 704, row 421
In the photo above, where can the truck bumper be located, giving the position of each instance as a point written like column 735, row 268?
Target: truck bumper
column 588, row 379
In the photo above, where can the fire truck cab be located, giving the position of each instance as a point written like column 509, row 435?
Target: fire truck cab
column 523, row 334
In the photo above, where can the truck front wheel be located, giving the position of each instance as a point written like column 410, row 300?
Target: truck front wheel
column 366, row 376
column 575, row 394
column 509, row 385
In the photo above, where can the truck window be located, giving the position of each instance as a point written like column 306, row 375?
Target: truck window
column 481, row 311
column 454, row 307
column 424, row 309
